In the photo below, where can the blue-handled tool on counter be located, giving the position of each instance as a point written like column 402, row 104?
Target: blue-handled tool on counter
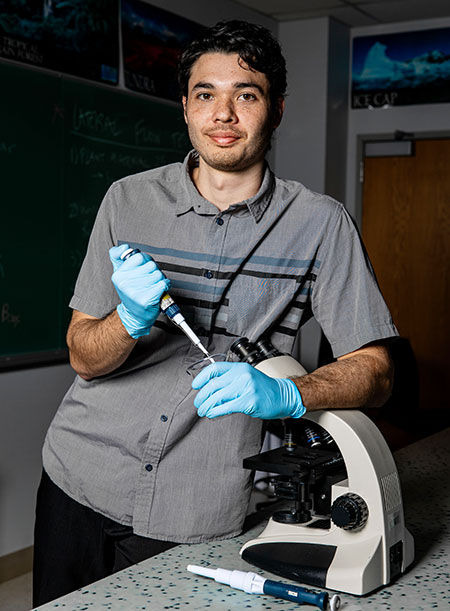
column 255, row 584
column 172, row 311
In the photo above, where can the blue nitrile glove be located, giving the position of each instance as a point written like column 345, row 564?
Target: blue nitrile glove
column 226, row 388
column 140, row 285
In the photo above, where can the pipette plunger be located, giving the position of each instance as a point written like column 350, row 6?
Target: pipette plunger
column 256, row 584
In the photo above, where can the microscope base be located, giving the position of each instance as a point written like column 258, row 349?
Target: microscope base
column 356, row 568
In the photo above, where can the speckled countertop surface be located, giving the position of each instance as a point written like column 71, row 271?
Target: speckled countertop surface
column 163, row 582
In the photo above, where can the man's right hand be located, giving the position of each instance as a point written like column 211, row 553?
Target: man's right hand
column 140, row 285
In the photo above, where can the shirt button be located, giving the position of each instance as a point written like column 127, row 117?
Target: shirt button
column 219, row 220
column 209, row 274
column 164, row 418
column 148, row 467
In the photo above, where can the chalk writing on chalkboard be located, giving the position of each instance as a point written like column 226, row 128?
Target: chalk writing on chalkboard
column 62, row 145
column 8, row 317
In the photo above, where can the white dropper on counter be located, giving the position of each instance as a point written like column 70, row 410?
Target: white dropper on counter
column 252, row 583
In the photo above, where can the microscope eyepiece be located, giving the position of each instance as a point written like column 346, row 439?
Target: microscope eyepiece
column 246, row 351
column 267, row 349
column 254, row 353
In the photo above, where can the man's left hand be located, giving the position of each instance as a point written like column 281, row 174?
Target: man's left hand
column 226, row 388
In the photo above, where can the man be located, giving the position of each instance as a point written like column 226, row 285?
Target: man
column 131, row 466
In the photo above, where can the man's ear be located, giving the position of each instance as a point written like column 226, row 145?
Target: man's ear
column 184, row 101
column 278, row 112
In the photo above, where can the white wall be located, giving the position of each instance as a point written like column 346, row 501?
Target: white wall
column 312, row 136
column 300, row 148
column 311, row 141
column 28, row 402
column 29, row 398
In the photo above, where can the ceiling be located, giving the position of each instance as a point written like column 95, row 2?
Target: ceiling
column 354, row 13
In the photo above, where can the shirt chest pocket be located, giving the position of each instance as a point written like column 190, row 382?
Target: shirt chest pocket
column 254, row 302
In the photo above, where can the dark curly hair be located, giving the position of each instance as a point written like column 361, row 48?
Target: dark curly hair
column 254, row 44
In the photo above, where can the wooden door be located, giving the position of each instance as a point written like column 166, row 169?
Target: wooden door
column 406, row 229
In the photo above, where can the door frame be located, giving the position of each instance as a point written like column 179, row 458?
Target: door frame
column 361, row 141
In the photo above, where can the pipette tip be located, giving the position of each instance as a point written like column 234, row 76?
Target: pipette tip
column 205, row 352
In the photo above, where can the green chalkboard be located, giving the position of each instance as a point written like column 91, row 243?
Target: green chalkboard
column 62, row 143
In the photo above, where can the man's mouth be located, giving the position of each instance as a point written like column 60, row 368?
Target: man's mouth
column 224, row 138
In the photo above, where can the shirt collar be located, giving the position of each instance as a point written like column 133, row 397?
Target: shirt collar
column 190, row 199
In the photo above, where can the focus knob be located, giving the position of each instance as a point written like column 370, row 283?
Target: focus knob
column 349, row 511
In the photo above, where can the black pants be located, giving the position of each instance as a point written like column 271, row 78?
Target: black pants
column 74, row 545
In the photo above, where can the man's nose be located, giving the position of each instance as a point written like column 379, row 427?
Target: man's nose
column 224, row 111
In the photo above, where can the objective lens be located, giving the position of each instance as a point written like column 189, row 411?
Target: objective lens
column 312, row 437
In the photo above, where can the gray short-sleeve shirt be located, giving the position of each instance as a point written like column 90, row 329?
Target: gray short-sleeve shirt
column 130, row 444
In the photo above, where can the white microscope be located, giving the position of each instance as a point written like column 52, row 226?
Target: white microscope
column 344, row 528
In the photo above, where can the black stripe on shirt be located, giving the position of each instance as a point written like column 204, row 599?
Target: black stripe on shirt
column 199, row 271
column 222, row 331
column 201, row 303
column 285, row 331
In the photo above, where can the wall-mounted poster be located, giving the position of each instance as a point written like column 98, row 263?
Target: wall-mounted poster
column 79, row 37
column 152, row 40
column 401, row 68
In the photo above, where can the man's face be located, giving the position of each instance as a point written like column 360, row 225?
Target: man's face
column 228, row 112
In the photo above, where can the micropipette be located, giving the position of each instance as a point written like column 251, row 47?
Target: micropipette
column 172, row 311
column 255, row 584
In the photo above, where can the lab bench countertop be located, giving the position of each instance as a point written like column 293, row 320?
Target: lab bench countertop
column 162, row 582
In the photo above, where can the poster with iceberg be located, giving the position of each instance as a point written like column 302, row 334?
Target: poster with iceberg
column 78, row 37
column 400, row 69
column 152, row 39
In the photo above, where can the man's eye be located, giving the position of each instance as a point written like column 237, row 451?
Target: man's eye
column 204, row 96
column 247, row 96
